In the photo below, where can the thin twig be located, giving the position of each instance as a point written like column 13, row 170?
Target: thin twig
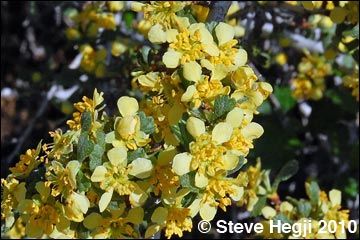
column 30, row 127
column 218, row 11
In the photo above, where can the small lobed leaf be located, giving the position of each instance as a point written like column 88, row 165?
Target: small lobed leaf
column 188, row 181
column 284, row 95
column 286, row 172
column 223, row 105
column 260, row 204
column 83, row 183
column 146, row 123
column 313, row 191
column 85, row 146
column 96, row 157
column 86, row 121
column 304, row 208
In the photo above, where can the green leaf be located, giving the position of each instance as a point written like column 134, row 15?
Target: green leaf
column 260, row 204
column 138, row 153
column 304, row 208
column 351, row 187
column 85, row 146
column 286, row 172
column 284, row 95
column 83, row 183
column 146, row 123
column 145, row 50
column 210, row 26
column 313, row 191
column 196, row 112
column 238, row 167
column 128, row 18
column 283, row 218
column 188, row 181
column 223, row 105
column 188, row 199
column 86, row 121
column 71, row 13
column 186, row 12
column 36, row 175
column 355, row 31
column 38, row 148
column 264, row 108
column 181, row 134
column 96, row 157
column 100, row 138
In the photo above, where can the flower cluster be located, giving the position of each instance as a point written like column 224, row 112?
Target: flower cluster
column 87, row 26
column 310, row 83
column 319, row 206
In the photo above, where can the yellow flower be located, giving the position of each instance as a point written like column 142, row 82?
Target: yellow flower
column 164, row 178
column 352, row 81
column 162, row 12
column 76, row 205
column 174, row 219
column 189, row 45
column 310, row 81
column 205, row 90
column 252, row 180
column 113, row 175
column 40, row 213
column 13, row 193
column 63, row 180
column 93, row 61
column 72, row 34
column 17, row 231
column 89, row 105
column 127, row 127
column 27, row 163
column 217, row 194
column 115, row 6
column 116, row 225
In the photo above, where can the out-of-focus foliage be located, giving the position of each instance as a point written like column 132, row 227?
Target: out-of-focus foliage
column 189, row 79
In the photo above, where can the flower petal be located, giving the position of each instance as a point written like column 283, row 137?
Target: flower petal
column 239, row 191
column 201, row 180
column 98, row 174
column 241, row 58
column 268, row 212
column 117, row 156
column 222, row 132
column 195, row 126
column 171, row 59
column 156, row 34
column 230, row 161
column 93, row 220
column 73, row 167
column 140, row 168
column 188, row 95
column 159, row 215
column 192, row 71
column 224, row 33
column 252, row 130
column 105, row 199
column 335, row 197
column 207, row 211
column 181, row 163
column 138, row 197
column 235, row 117
column 128, row 106
column 135, row 215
